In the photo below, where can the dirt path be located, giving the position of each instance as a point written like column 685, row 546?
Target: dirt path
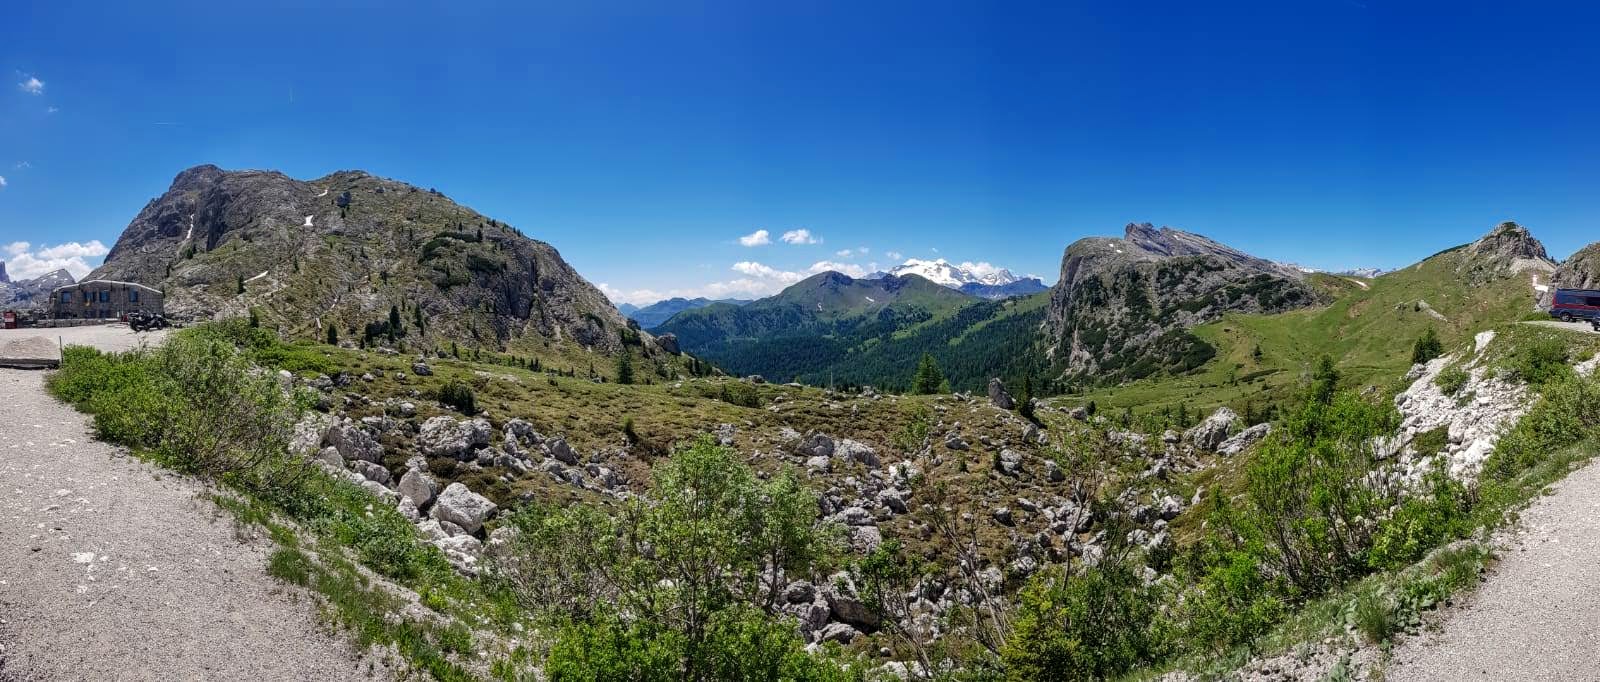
column 111, row 569
column 1538, row 615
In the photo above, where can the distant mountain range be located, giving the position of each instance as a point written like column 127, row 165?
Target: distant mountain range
column 1364, row 273
column 31, row 293
column 992, row 284
column 650, row 316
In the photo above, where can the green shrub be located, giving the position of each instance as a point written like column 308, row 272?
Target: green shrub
column 1540, row 361
column 1567, row 413
column 1089, row 626
column 1451, row 380
column 1421, row 523
column 457, row 394
column 1427, row 347
column 1373, row 616
column 674, row 585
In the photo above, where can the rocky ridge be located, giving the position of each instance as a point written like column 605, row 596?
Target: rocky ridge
column 346, row 248
column 1122, row 306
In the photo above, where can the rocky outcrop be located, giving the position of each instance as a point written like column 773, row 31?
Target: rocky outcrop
column 998, row 395
column 1243, row 440
column 1507, row 250
column 346, row 248
column 1209, row 434
column 1122, row 306
column 1473, row 414
column 1580, row 271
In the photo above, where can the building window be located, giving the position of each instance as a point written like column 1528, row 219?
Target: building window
column 105, row 297
column 133, row 295
column 66, row 297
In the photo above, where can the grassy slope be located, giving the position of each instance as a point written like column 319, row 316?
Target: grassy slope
column 1368, row 332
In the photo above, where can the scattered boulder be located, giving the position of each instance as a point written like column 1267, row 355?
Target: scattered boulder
column 816, row 445
column 331, row 457
column 998, row 395
column 459, row 505
column 1211, row 432
column 418, row 486
column 1242, row 440
column 560, row 450
column 372, row 472
column 421, row 369
column 353, row 442
column 449, row 437
column 857, row 451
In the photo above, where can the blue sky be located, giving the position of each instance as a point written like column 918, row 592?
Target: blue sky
column 644, row 139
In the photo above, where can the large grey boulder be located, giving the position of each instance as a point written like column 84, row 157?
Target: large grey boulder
column 562, row 451
column 372, row 472
column 449, row 437
column 354, row 442
column 816, row 445
column 1210, row 433
column 1242, row 440
column 855, row 450
column 418, row 486
column 459, row 505
column 998, row 395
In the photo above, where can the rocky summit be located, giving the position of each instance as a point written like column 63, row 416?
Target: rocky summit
column 356, row 251
column 1122, row 306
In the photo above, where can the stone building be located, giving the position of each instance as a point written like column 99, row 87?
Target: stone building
column 103, row 299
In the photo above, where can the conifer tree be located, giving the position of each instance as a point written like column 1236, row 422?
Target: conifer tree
column 928, row 380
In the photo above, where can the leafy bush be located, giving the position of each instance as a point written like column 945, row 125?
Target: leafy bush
column 677, row 585
column 457, row 394
column 195, row 403
column 1234, row 600
column 1421, row 523
column 1451, row 380
column 1089, row 626
column 1540, row 361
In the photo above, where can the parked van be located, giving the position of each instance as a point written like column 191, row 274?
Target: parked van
column 1576, row 304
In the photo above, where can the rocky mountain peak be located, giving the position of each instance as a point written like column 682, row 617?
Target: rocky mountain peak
column 3, row 277
column 346, row 249
column 1506, row 250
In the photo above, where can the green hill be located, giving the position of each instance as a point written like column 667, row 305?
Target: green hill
column 832, row 329
column 1368, row 329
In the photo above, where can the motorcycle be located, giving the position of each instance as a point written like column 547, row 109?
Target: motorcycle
column 143, row 322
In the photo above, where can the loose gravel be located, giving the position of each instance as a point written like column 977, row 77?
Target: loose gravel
column 112, row 569
column 1538, row 615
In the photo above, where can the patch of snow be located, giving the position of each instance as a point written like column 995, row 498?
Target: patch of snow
column 1359, row 283
column 323, row 194
column 871, row 300
column 252, row 279
column 83, row 557
column 308, row 221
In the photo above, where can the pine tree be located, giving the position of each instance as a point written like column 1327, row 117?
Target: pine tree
column 333, row 335
column 624, row 368
column 1427, row 347
column 255, row 320
column 240, row 285
column 394, row 322
column 928, row 380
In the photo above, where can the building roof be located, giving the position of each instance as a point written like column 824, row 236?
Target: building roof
column 105, row 281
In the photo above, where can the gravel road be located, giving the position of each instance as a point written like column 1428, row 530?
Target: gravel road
column 1538, row 615
column 111, row 569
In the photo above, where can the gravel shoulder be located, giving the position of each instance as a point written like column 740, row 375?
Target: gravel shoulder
column 111, row 569
column 1537, row 617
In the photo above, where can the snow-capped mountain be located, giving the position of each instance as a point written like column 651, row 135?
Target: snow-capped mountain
column 948, row 274
column 1350, row 272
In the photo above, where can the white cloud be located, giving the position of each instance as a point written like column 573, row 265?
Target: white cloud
column 2, row 182
column 51, row 110
column 23, row 262
column 23, row 165
column 844, row 253
column 980, row 268
column 75, row 250
column 894, row 255
column 755, row 280
column 32, row 85
column 800, row 236
column 757, row 238
column 636, row 296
